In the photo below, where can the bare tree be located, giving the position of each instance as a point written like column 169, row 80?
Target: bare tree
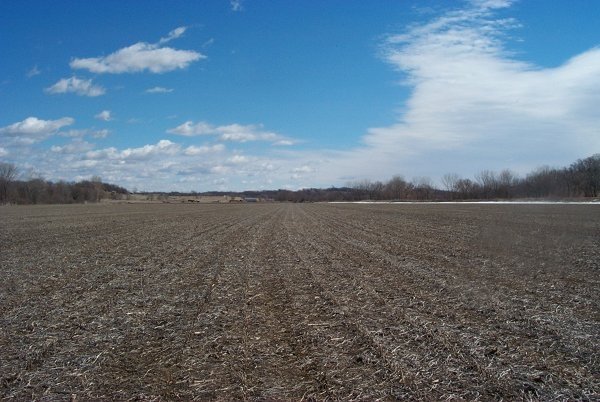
column 488, row 181
column 449, row 181
column 423, row 187
column 587, row 175
column 466, row 189
column 8, row 172
column 368, row 189
column 397, row 188
column 506, row 181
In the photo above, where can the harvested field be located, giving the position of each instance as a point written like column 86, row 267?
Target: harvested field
column 290, row 301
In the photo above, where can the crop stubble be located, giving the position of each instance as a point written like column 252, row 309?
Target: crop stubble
column 283, row 301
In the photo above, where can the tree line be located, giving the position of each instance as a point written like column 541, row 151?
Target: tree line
column 580, row 179
column 36, row 190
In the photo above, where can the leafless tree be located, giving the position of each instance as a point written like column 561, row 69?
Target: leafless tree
column 423, row 187
column 466, row 189
column 397, row 188
column 506, row 182
column 488, row 181
column 449, row 181
column 8, row 172
column 587, row 175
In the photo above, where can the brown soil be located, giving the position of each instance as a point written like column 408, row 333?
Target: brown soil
column 288, row 301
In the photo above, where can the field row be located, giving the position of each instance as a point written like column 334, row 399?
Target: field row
column 280, row 301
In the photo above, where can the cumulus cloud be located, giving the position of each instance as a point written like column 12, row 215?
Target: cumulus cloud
column 163, row 147
column 230, row 132
column 77, row 86
column 104, row 115
column 472, row 105
column 3, row 152
column 141, row 56
column 158, row 90
column 34, row 127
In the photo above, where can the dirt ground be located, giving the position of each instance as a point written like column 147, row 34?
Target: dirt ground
column 291, row 301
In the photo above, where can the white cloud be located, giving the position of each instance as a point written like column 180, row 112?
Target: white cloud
column 78, row 133
column 158, row 90
column 140, row 57
column 240, row 133
column 230, row 132
column 236, row 5
column 33, row 72
column 189, row 129
column 284, row 143
column 104, row 115
column 474, row 106
column 205, row 149
column 100, row 133
column 303, row 169
column 74, row 147
column 238, row 159
column 77, row 86
column 34, row 127
column 3, row 152
column 174, row 34
column 161, row 148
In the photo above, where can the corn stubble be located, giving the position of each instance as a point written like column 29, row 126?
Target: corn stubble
column 291, row 301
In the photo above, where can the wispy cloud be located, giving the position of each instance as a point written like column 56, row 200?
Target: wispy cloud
column 104, row 115
column 158, row 90
column 74, row 147
column 141, row 56
column 174, row 34
column 189, row 129
column 473, row 105
column 236, row 5
column 79, row 133
column 77, row 86
column 33, row 72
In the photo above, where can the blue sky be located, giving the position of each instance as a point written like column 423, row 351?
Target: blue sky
column 259, row 94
